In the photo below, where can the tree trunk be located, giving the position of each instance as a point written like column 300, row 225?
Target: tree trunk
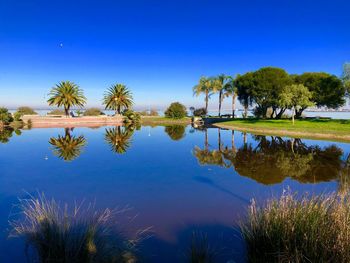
column 245, row 111
column 279, row 115
column 206, row 139
column 219, row 139
column 206, row 101
column 234, row 104
column 293, row 112
column 233, row 141
column 273, row 112
column 220, row 100
column 66, row 111
column 299, row 113
column 245, row 138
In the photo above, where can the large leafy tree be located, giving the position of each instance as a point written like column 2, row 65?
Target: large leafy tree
column 66, row 94
column 294, row 97
column 268, row 83
column 204, row 86
column 245, row 84
column 327, row 90
column 118, row 97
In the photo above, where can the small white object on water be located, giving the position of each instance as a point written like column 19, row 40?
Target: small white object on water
column 61, row 44
column 46, row 158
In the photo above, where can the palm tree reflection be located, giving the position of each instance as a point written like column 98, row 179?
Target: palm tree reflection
column 119, row 138
column 67, row 147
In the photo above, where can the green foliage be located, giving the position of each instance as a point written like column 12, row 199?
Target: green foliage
column 176, row 111
column 63, row 234
column 56, row 112
column 132, row 117
column 67, row 147
column 327, row 90
column 223, row 85
column 175, row 132
column 119, row 138
column 93, row 112
column 66, row 94
column 299, row 229
column 199, row 112
column 204, row 86
column 79, row 112
column 295, row 95
column 5, row 116
column 26, row 111
column 118, row 97
column 152, row 112
column 17, row 116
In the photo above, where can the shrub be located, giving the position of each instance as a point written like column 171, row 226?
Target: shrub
column 176, row 111
column 26, row 111
column 292, row 229
column 17, row 116
column 199, row 112
column 149, row 113
column 82, row 235
column 5, row 116
column 132, row 117
column 93, row 112
column 56, row 112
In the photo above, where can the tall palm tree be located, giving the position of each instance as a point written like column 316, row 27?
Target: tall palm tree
column 67, row 147
column 221, row 84
column 231, row 90
column 119, row 139
column 204, row 86
column 118, row 97
column 66, row 94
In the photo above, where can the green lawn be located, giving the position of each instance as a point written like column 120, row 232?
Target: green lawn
column 318, row 128
column 163, row 121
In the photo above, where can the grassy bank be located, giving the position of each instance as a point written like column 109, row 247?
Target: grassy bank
column 163, row 121
column 338, row 130
column 304, row 229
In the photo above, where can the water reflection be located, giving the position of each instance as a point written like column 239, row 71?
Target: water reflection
column 270, row 160
column 175, row 132
column 67, row 147
column 7, row 132
column 119, row 138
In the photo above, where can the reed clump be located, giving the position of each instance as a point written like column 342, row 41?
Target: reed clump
column 299, row 229
column 80, row 235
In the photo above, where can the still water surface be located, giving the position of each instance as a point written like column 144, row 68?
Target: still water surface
column 176, row 179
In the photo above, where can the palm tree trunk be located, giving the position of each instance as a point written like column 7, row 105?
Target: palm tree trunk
column 234, row 104
column 66, row 111
column 206, row 139
column 220, row 100
column 206, row 101
column 219, row 139
column 233, row 141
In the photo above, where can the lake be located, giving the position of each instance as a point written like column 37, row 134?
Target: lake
column 175, row 180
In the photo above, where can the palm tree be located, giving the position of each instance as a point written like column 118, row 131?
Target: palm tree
column 118, row 139
column 66, row 94
column 118, row 97
column 204, row 86
column 231, row 90
column 222, row 84
column 67, row 147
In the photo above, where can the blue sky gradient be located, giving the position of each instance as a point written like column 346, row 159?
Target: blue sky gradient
column 160, row 48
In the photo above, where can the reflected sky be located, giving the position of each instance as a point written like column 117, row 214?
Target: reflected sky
column 164, row 177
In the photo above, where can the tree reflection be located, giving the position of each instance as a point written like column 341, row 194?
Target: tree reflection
column 119, row 138
column 272, row 159
column 67, row 147
column 175, row 132
column 7, row 132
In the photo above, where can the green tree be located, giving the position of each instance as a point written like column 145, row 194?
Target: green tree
column 5, row 117
column 346, row 77
column 327, row 90
column 295, row 97
column 245, row 84
column 205, row 86
column 118, row 97
column 175, row 111
column 66, row 94
column 67, row 147
column 26, row 111
column 221, row 84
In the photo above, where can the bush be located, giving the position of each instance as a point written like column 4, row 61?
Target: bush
column 5, row 116
column 56, row 112
column 175, row 132
column 175, row 111
column 26, row 111
column 306, row 229
column 199, row 112
column 83, row 235
column 93, row 112
column 150, row 113
column 17, row 116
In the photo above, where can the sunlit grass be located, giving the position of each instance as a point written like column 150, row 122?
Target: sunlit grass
column 57, row 234
column 305, row 229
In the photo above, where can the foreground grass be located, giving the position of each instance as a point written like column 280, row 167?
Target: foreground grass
column 55, row 234
column 306, row 128
column 306, row 229
column 163, row 121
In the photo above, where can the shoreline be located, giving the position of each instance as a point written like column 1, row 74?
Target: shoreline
column 330, row 136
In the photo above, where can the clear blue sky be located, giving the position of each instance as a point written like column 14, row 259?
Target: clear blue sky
column 159, row 48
